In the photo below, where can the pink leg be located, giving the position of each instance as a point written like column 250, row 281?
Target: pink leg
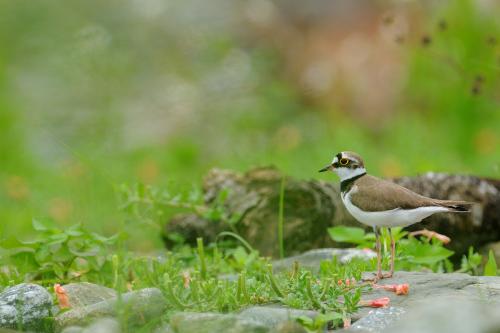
column 379, row 253
column 378, row 248
column 393, row 254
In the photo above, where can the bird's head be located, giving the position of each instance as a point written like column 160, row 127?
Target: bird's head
column 346, row 165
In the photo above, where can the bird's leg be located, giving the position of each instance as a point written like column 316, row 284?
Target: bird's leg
column 378, row 248
column 393, row 253
column 379, row 253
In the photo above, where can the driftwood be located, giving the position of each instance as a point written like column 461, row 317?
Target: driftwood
column 311, row 206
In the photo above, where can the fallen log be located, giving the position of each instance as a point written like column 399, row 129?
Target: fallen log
column 312, row 206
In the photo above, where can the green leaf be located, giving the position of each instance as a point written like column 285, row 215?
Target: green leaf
column 75, row 245
column 79, row 267
column 62, row 255
column 74, row 230
column 347, row 234
column 42, row 254
column 88, row 250
column 491, row 265
column 106, row 240
column 305, row 320
column 58, row 270
column 38, row 226
column 58, row 238
column 22, row 249
column 330, row 316
column 425, row 253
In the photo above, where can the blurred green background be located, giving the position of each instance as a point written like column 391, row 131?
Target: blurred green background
column 94, row 94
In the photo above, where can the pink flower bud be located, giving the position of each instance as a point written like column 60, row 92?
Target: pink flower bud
column 61, row 296
column 399, row 289
column 376, row 303
column 402, row 289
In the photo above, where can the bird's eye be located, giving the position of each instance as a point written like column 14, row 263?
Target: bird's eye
column 344, row 161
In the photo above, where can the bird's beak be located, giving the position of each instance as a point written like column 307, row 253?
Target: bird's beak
column 328, row 167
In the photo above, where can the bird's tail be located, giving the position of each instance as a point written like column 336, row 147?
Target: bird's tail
column 456, row 206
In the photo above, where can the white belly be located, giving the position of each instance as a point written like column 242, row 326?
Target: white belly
column 389, row 218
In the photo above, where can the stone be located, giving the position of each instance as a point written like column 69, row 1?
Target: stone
column 72, row 329
column 449, row 314
column 312, row 259
column 256, row 319
column 101, row 325
column 272, row 316
column 83, row 293
column 25, row 306
column 188, row 322
column 139, row 306
column 289, row 327
column 432, row 293
column 378, row 319
column 165, row 328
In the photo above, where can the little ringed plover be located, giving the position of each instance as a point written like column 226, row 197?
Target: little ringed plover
column 381, row 203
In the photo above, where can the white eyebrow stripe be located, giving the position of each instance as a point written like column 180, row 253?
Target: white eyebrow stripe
column 335, row 160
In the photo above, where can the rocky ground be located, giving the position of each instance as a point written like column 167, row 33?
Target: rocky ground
column 435, row 303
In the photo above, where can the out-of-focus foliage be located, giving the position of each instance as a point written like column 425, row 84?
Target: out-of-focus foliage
column 94, row 94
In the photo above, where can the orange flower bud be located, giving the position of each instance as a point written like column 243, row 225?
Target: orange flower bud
column 61, row 296
column 376, row 303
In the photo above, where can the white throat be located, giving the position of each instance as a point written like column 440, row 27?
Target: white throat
column 346, row 173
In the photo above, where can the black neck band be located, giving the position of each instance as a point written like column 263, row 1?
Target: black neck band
column 346, row 184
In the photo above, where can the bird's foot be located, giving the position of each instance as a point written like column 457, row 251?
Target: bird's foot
column 373, row 279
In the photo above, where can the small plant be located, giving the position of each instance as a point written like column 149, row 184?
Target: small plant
column 471, row 262
column 318, row 323
column 58, row 255
column 412, row 253
column 148, row 204
column 491, row 269
column 259, row 284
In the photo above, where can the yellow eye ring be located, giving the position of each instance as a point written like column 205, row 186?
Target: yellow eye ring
column 344, row 161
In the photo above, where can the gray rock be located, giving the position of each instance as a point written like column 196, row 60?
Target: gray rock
column 25, row 306
column 188, row 322
column 272, row 317
column 166, row 328
column 432, row 292
column 312, row 259
column 139, row 306
column 449, row 314
column 84, row 293
column 72, row 329
column 102, row 325
column 252, row 320
column 289, row 327
column 377, row 320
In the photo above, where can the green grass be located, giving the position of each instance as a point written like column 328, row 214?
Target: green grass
column 209, row 278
